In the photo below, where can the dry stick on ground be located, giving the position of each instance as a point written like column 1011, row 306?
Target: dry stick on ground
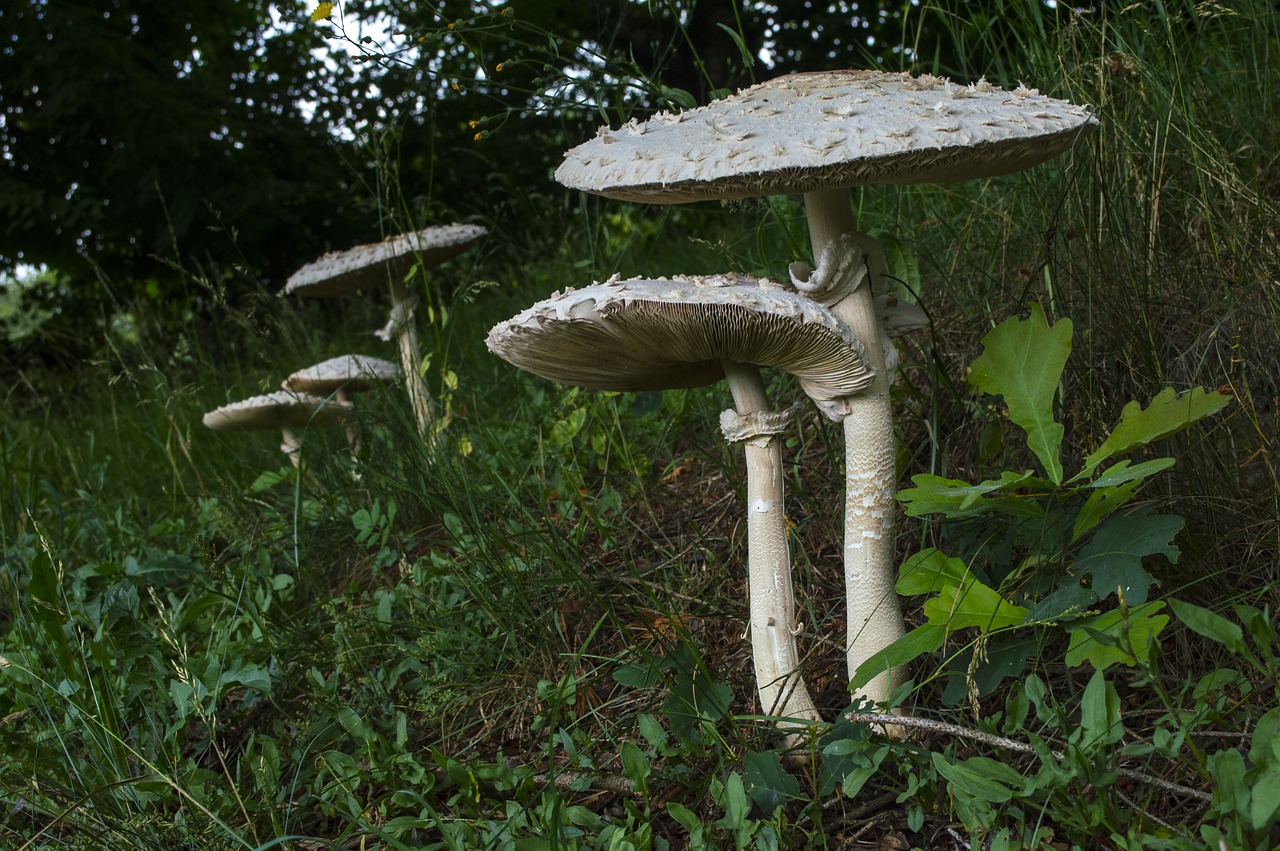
column 1012, row 745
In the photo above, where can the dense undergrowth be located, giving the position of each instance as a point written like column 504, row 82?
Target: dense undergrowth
column 529, row 634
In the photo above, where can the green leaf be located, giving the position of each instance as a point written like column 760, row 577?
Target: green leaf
column 858, row 776
column 635, row 766
column 955, row 498
column 973, row 605
column 1227, row 770
column 925, row 638
column 747, row 59
column 1168, row 414
column 979, row 777
column 1022, row 360
column 1114, row 555
column 255, row 677
column 1099, row 505
column 733, row 798
column 927, row 571
column 1210, row 624
column 1145, row 623
column 767, row 782
column 1100, row 713
column 1121, row 472
column 1266, row 799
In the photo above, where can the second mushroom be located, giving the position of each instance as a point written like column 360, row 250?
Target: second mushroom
column 644, row 334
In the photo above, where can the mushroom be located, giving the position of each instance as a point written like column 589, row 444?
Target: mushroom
column 387, row 264
column 819, row 134
column 344, row 376
column 691, row 331
column 282, row 409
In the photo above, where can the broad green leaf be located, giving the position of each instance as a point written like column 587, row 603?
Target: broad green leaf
column 972, row 605
column 955, row 498
column 1227, row 770
column 733, row 798
column 1168, row 414
column 925, row 638
column 1100, row 713
column 1145, row 623
column 635, row 766
column 1266, row 798
column 979, row 777
column 255, row 677
column 1114, row 555
column 1210, row 624
column 1069, row 601
column 1121, row 472
column 927, row 571
column 858, row 777
column 1101, row 503
column 767, row 782
column 1022, row 360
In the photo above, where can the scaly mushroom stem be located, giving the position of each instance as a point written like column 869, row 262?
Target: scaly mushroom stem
column 773, row 627
column 406, row 334
column 291, row 446
column 874, row 613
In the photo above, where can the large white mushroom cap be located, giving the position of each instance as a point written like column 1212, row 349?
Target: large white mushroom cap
column 661, row 334
column 826, row 130
column 340, row 273
column 275, row 410
column 348, row 372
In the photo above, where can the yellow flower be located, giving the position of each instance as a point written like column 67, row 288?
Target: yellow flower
column 455, row 87
column 473, row 124
column 323, row 10
column 450, row 26
column 506, row 11
column 478, row 136
column 499, row 66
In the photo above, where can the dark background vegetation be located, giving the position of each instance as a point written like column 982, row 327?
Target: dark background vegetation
column 199, row 648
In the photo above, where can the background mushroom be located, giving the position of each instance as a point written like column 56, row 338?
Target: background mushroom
column 282, row 409
column 819, row 134
column 386, row 264
column 686, row 332
column 343, row 376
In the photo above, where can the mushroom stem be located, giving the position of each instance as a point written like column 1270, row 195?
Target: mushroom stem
column 410, row 363
column 290, row 445
column 874, row 611
column 772, row 602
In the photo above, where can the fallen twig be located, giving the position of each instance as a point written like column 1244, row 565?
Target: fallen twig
column 1012, row 745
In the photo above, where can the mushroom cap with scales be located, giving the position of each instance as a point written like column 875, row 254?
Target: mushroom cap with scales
column 281, row 409
column 353, row 373
column 826, row 130
column 668, row 333
column 340, row 273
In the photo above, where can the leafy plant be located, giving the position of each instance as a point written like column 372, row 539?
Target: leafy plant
column 1053, row 546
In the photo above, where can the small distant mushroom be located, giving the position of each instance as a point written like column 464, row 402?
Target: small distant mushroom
column 343, row 376
column 820, row 134
column 385, row 265
column 282, row 409
column 691, row 331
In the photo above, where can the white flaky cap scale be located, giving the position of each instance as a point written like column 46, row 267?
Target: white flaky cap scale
column 340, row 273
column 826, row 130
column 281, row 409
column 352, row 373
column 662, row 334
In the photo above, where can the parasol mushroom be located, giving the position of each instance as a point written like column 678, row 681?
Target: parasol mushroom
column 386, row 264
column 691, row 331
column 282, row 409
column 820, row 134
column 343, row 376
